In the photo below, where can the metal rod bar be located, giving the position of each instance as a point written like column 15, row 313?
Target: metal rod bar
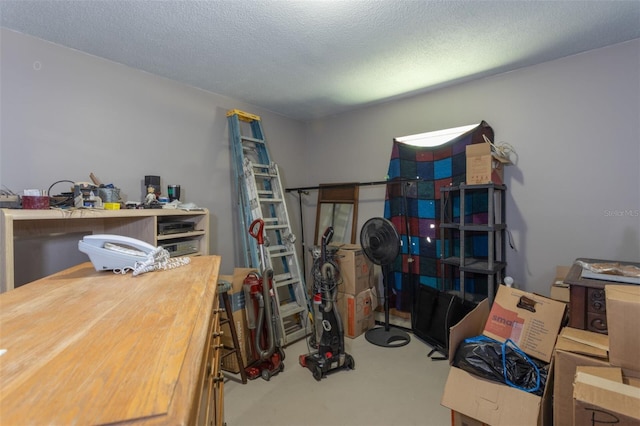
column 347, row 185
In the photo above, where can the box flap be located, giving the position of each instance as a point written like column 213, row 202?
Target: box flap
column 609, row 373
column 583, row 342
column 471, row 325
column 529, row 320
column 623, row 293
column 604, row 401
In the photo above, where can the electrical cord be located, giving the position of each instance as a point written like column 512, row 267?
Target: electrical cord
column 66, row 200
column 502, row 149
column 156, row 260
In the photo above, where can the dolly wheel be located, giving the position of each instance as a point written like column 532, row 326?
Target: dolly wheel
column 303, row 360
column 317, row 373
column 350, row 363
column 266, row 375
column 281, row 367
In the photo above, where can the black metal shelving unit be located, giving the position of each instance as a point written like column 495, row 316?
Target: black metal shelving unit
column 454, row 232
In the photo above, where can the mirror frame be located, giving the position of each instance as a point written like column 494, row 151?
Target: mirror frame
column 337, row 193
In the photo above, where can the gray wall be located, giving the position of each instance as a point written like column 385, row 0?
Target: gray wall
column 574, row 122
column 66, row 114
column 575, row 125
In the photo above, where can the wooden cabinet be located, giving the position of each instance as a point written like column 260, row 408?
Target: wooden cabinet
column 587, row 303
column 42, row 225
column 88, row 347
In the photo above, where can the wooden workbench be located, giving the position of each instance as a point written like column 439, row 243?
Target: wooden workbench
column 87, row 347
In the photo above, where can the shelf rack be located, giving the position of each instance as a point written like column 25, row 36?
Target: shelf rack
column 454, row 260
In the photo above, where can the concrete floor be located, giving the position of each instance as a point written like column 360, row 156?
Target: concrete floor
column 398, row 386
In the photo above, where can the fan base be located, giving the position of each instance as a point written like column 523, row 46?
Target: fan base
column 388, row 338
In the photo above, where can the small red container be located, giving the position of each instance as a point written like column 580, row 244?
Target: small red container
column 35, row 202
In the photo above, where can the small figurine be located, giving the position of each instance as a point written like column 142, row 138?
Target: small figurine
column 151, row 196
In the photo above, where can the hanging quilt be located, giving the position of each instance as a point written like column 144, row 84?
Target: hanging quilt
column 412, row 204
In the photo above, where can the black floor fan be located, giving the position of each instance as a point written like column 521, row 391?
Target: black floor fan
column 381, row 244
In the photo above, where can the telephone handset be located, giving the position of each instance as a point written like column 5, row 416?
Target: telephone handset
column 121, row 254
column 114, row 251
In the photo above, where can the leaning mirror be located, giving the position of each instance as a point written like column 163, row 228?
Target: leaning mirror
column 337, row 207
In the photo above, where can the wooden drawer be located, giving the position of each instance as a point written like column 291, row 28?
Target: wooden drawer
column 211, row 404
column 597, row 322
column 596, row 302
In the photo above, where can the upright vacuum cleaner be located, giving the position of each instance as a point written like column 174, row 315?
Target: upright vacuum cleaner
column 261, row 317
column 328, row 340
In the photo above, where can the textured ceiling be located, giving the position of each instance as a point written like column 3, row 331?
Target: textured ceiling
column 307, row 59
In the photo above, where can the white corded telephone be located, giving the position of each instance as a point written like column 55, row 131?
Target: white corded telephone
column 121, row 254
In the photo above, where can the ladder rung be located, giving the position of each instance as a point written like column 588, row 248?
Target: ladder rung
column 270, row 200
column 277, row 251
column 282, row 277
column 291, row 309
column 248, row 139
column 265, row 175
column 274, row 227
column 260, row 166
column 286, row 283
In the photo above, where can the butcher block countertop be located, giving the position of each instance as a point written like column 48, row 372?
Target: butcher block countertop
column 86, row 347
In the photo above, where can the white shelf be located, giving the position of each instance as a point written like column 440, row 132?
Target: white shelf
column 142, row 224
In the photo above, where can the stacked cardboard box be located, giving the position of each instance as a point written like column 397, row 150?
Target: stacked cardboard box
column 559, row 290
column 533, row 323
column 604, row 395
column 598, row 376
column 356, row 292
column 574, row 348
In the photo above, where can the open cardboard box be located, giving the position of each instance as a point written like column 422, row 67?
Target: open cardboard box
column 492, row 402
column 574, row 348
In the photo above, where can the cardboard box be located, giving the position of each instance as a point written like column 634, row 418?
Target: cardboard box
column 236, row 297
column 574, row 348
column 356, row 270
column 623, row 317
column 601, row 397
column 482, row 166
column 487, row 401
column 459, row 419
column 531, row 321
column 356, row 312
column 559, row 290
